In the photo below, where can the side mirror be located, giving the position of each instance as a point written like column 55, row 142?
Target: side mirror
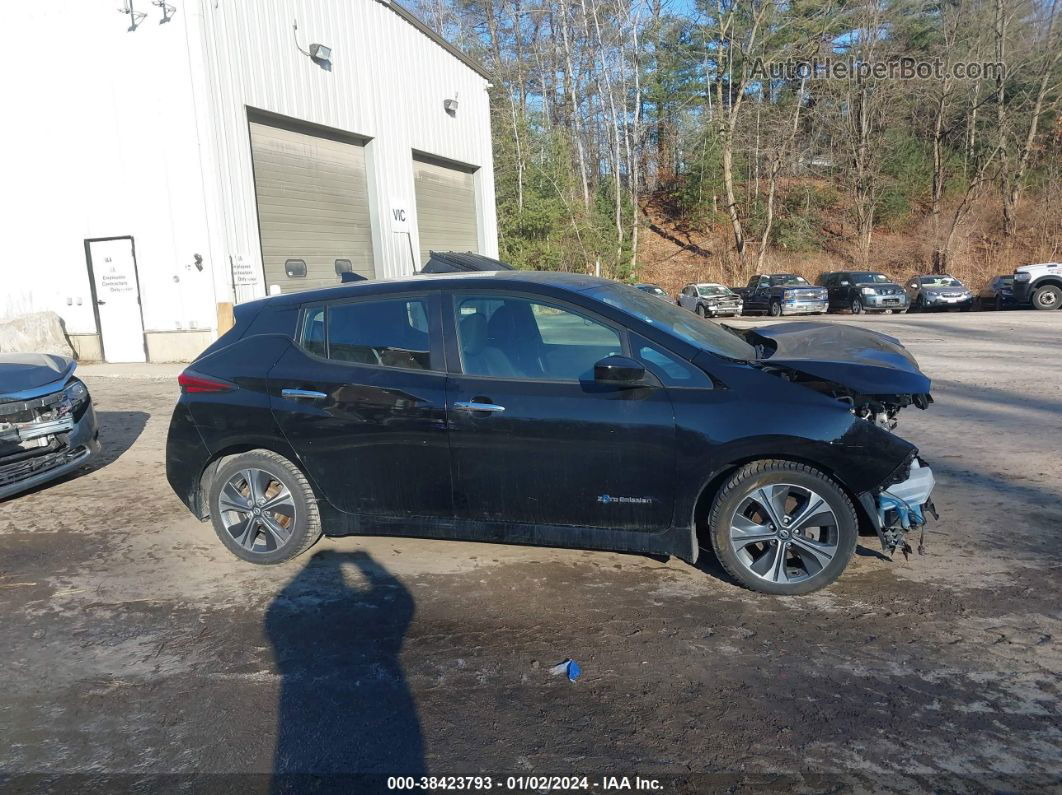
column 619, row 371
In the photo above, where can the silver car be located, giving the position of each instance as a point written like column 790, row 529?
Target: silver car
column 938, row 291
column 710, row 300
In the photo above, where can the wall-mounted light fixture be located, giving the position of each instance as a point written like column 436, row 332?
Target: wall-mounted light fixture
column 320, row 54
column 167, row 10
column 450, row 105
column 135, row 17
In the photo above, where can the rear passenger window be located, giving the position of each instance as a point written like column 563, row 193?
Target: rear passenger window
column 313, row 331
column 390, row 332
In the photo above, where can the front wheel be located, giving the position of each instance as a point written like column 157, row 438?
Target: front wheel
column 857, row 307
column 263, row 508
column 699, row 310
column 775, row 309
column 783, row 528
column 1047, row 297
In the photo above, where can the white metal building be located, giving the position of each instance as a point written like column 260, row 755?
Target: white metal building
column 162, row 161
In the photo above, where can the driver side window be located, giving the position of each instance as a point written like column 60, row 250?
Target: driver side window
column 505, row 336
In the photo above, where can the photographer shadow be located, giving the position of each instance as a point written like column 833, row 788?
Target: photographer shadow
column 346, row 718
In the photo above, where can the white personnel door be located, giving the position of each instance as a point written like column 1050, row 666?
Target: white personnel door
column 117, row 300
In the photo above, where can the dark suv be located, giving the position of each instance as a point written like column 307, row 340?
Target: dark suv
column 864, row 291
column 548, row 409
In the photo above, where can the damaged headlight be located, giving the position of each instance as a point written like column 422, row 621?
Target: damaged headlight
column 74, row 395
column 75, row 392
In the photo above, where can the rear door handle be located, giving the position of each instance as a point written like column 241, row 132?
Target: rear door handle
column 474, row 406
column 302, row 393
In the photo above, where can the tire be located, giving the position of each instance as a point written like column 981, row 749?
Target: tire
column 809, row 563
column 699, row 310
column 857, row 307
column 999, row 303
column 775, row 309
column 279, row 535
column 1047, row 297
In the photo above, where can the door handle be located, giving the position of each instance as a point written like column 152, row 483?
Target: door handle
column 101, row 303
column 474, row 406
column 302, row 393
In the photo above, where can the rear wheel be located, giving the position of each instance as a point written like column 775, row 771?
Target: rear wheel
column 1047, row 297
column 784, row 528
column 263, row 508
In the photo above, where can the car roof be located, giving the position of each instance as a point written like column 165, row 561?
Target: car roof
column 709, row 284
column 514, row 279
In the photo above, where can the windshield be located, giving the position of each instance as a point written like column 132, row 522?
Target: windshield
column 683, row 324
column 788, row 280
column 940, row 281
column 870, row 278
column 712, row 289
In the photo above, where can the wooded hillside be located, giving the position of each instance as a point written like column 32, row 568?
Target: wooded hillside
column 669, row 141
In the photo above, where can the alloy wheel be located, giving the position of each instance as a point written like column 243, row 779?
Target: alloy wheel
column 784, row 533
column 257, row 510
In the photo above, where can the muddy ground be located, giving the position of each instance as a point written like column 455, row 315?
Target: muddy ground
column 134, row 644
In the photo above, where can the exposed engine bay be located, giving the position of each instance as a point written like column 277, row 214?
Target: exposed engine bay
column 876, row 378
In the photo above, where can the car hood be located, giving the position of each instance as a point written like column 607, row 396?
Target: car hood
column 27, row 375
column 864, row 361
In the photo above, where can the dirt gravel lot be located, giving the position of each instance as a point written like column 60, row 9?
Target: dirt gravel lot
column 133, row 644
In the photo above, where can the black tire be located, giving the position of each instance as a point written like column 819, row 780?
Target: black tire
column 857, row 307
column 999, row 303
column 737, row 491
column 303, row 527
column 775, row 309
column 1047, row 297
column 699, row 310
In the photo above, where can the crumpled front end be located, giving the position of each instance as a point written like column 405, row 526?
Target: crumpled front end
column 45, row 436
column 903, row 506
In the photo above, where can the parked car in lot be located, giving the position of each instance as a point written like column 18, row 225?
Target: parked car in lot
column 1040, row 285
column 47, row 423
column 998, row 294
column 779, row 294
column 548, row 408
column 863, row 291
column 710, row 300
column 653, row 289
column 938, row 291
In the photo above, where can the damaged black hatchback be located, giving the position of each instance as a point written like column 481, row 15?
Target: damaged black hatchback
column 546, row 408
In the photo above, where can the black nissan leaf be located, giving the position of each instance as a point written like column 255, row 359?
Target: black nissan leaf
column 548, row 408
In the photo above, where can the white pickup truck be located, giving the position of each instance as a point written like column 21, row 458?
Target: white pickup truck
column 1040, row 285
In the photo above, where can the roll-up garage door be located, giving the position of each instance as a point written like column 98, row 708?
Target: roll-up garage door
column 446, row 208
column 313, row 207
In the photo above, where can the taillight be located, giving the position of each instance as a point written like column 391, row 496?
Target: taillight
column 194, row 382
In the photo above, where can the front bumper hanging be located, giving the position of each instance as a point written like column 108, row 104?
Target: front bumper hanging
column 902, row 507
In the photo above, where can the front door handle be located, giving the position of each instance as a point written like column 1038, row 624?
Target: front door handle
column 302, row 393
column 474, row 406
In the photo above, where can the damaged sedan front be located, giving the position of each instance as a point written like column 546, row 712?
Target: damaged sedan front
column 876, row 377
column 47, row 424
